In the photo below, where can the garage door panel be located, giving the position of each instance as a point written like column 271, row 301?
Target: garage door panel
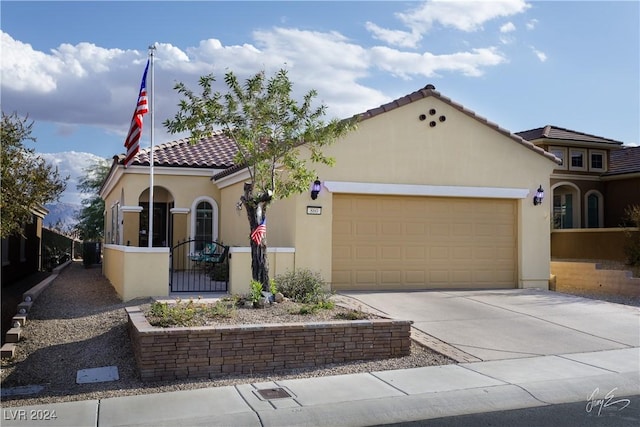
column 392, row 242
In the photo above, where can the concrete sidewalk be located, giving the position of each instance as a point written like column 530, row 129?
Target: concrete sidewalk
column 370, row 399
column 524, row 348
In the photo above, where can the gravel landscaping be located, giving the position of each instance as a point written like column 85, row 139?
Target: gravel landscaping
column 80, row 323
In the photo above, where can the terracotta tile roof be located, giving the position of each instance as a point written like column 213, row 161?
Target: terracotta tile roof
column 623, row 161
column 558, row 133
column 216, row 151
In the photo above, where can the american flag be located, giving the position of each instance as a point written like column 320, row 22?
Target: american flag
column 133, row 138
column 259, row 232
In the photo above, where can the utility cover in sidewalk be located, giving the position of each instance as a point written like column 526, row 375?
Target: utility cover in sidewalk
column 97, row 375
column 273, row 393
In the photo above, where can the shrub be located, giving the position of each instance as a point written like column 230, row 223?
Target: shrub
column 166, row 315
column 632, row 247
column 303, row 286
column 256, row 292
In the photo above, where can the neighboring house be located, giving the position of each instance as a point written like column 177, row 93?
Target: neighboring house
column 22, row 254
column 622, row 185
column 424, row 194
column 596, row 181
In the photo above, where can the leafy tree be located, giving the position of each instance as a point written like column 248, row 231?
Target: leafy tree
column 269, row 129
column 27, row 180
column 90, row 218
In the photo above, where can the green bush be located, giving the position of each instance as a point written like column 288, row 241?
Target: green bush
column 256, row 292
column 166, row 315
column 303, row 286
column 632, row 247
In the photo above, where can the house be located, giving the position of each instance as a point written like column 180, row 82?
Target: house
column 22, row 254
column 424, row 194
column 596, row 181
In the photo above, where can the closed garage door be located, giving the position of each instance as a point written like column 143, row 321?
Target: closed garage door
column 398, row 242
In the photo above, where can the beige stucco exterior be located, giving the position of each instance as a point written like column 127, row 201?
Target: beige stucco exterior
column 393, row 153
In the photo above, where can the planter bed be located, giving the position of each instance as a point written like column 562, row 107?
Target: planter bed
column 210, row 351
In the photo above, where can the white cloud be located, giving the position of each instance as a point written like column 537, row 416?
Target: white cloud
column 85, row 84
column 71, row 163
column 393, row 37
column 541, row 55
column 408, row 64
column 509, row 27
column 532, row 24
column 462, row 15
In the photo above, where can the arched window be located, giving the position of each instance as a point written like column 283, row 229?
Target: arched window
column 204, row 224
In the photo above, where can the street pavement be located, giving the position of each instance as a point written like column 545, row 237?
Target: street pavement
column 518, row 349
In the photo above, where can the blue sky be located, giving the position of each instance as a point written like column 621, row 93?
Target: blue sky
column 75, row 67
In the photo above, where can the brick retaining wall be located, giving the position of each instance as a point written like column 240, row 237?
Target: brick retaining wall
column 174, row 353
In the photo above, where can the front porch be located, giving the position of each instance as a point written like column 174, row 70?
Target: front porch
column 136, row 272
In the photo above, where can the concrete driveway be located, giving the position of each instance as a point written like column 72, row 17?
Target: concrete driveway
column 509, row 324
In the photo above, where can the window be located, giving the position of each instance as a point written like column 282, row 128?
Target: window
column 562, row 211
column 115, row 224
column 204, row 224
column 577, row 159
column 592, row 211
column 560, row 153
column 597, row 160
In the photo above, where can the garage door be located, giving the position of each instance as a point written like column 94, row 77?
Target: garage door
column 397, row 242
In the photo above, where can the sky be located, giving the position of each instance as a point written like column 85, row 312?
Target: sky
column 75, row 67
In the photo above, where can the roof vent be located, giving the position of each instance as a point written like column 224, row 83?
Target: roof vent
column 430, row 87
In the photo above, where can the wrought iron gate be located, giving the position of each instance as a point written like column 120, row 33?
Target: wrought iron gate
column 198, row 266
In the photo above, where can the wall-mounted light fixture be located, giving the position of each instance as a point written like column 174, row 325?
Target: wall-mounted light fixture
column 239, row 205
column 315, row 189
column 537, row 198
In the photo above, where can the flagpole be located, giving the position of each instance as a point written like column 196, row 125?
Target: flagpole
column 151, row 161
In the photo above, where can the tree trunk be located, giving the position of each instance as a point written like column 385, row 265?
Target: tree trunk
column 256, row 213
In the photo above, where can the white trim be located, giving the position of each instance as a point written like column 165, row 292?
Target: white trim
column 247, row 249
column 116, row 176
column 214, row 217
column 603, row 153
column 572, row 177
column 137, row 209
column 426, row 190
column 577, row 207
column 585, row 160
column 179, row 210
column 234, row 178
column 563, row 166
column 617, row 177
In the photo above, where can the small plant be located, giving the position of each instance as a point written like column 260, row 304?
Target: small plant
column 222, row 309
column 351, row 315
column 303, row 286
column 178, row 314
column 273, row 288
column 632, row 246
column 312, row 308
column 256, row 292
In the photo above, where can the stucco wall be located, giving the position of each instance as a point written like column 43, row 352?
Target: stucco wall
column 136, row 272
column 396, row 147
column 280, row 261
column 180, row 186
column 591, row 243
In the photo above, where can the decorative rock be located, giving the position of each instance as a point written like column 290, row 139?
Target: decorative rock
column 279, row 297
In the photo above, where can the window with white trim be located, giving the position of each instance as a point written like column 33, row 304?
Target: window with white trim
column 204, row 224
column 560, row 153
column 597, row 160
column 577, row 159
